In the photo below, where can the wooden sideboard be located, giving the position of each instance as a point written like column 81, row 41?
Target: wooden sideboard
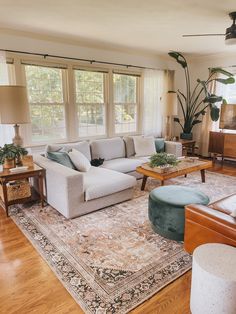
column 223, row 144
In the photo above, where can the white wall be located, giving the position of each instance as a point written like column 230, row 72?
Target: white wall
column 71, row 49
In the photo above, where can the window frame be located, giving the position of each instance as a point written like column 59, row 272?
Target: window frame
column 71, row 122
column 138, row 103
column 64, row 97
column 105, row 103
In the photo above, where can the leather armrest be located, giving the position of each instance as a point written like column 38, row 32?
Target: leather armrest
column 207, row 225
column 210, row 213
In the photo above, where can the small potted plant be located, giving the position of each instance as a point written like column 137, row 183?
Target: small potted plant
column 10, row 155
column 163, row 161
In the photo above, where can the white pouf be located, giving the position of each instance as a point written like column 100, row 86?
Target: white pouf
column 213, row 288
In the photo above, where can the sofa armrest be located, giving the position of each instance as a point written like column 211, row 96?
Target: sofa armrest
column 207, row 225
column 64, row 186
column 174, row 148
column 205, row 212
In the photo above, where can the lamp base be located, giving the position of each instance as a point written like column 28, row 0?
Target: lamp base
column 168, row 128
column 17, row 139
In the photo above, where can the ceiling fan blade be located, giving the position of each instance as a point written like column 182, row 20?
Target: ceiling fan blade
column 202, row 35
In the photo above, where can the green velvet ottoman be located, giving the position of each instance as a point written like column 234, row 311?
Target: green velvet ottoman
column 166, row 209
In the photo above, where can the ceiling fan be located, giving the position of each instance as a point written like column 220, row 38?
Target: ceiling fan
column 230, row 32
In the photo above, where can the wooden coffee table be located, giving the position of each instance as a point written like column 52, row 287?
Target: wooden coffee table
column 183, row 168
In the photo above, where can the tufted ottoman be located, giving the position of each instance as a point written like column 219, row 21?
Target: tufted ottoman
column 166, row 209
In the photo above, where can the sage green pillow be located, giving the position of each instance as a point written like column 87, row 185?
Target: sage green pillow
column 61, row 158
column 160, row 145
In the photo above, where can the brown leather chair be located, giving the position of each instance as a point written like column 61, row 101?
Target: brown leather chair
column 210, row 224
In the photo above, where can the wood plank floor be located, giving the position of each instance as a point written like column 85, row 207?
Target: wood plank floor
column 27, row 284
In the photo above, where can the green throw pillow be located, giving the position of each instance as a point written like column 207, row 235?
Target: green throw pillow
column 62, row 158
column 160, row 145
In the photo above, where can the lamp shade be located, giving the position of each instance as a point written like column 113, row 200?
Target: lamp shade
column 171, row 104
column 13, row 105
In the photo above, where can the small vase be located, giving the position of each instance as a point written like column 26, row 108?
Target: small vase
column 9, row 163
column 186, row 136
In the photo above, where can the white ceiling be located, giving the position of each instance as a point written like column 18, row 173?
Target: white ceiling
column 153, row 26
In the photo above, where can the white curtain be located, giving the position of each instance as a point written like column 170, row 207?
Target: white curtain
column 152, row 107
column 6, row 131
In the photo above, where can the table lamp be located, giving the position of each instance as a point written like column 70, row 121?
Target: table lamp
column 171, row 110
column 14, row 108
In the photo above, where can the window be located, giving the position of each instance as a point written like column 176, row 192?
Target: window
column 67, row 102
column 229, row 92
column 125, row 102
column 90, row 101
column 47, row 105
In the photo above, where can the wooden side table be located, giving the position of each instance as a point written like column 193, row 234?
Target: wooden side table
column 6, row 176
column 188, row 144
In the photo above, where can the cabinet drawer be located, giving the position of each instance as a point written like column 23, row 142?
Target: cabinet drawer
column 230, row 145
column 216, row 143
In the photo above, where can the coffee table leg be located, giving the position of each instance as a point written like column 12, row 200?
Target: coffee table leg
column 203, row 175
column 144, row 182
column 162, row 182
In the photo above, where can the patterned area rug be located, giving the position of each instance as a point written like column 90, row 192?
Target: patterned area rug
column 111, row 260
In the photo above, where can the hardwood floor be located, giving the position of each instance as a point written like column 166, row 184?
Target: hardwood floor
column 27, row 284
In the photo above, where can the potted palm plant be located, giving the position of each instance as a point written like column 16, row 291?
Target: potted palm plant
column 194, row 103
column 10, row 154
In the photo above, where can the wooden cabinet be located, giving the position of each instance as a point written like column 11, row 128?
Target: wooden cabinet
column 223, row 144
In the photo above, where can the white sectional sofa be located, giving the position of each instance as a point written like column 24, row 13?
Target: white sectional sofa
column 75, row 193
column 119, row 154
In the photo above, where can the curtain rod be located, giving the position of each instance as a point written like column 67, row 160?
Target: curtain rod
column 45, row 55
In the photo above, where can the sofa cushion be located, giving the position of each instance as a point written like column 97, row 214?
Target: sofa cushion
column 61, row 158
column 82, row 147
column 144, row 146
column 109, row 148
column 99, row 182
column 160, row 145
column 142, row 159
column 129, row 146
column 174, row 148
column 122, row 164
column 80, row 162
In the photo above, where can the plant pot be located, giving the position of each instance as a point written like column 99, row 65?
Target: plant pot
column 186, row 136
column 9, row 163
